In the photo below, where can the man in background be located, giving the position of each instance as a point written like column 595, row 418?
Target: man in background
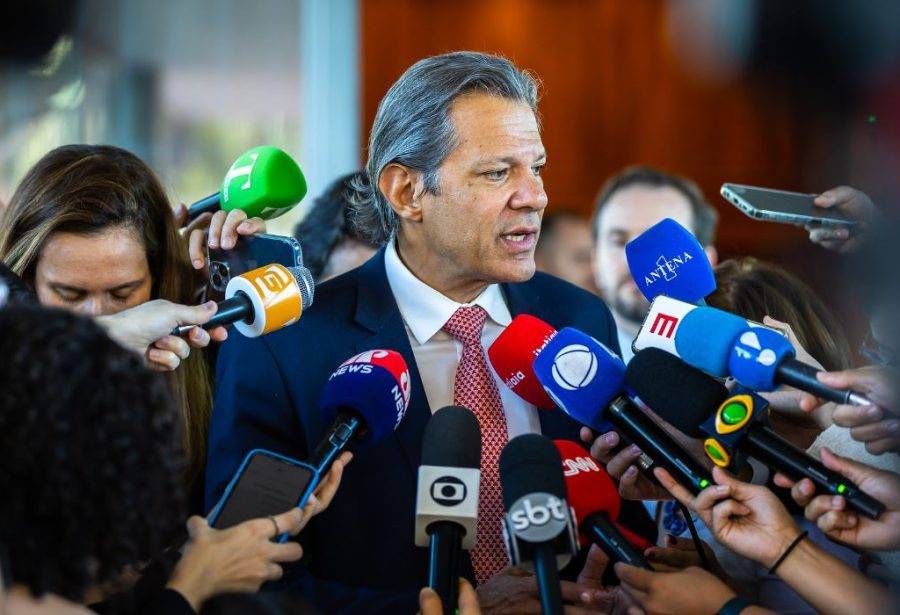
column 564, row 248
column 628, row 204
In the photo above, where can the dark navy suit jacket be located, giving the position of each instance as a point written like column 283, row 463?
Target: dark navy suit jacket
column 359, row 555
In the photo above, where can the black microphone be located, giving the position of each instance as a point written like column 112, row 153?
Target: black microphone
column 447, row 496
column 737, row 425
column 538, row 526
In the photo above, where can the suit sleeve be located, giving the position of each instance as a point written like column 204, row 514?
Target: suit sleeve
column 251, row 409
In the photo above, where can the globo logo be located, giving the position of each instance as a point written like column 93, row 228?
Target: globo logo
column 574, row 367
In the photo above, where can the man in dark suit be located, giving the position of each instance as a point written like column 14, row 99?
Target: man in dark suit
column 454, row 190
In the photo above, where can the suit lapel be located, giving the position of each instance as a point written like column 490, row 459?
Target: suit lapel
column 555, row 424
column 377, row 312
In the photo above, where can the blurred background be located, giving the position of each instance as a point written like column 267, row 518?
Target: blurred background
column 801, row 95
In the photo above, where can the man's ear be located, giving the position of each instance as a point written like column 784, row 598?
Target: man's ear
column 400, row 185
column 712, row 254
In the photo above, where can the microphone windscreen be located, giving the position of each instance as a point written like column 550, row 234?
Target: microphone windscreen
column 588, row 485
column 667, row 259
column 681, row 395
column 264, row 182
column 581, row 375
column 756, row 355
column 375, row 386
column 513, row 352
column 452, row 439
column 705, row 338
column 530, row 464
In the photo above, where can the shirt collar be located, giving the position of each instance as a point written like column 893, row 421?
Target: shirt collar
column 424, row 309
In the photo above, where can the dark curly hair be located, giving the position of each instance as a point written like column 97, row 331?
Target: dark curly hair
column 92, row 466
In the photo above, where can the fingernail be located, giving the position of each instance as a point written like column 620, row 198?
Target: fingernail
column 852, row 519
column 720, row 489
column 243, row 226
column 585, row 597
column 213, row 243
column 611, row 438
column 198, row 263
column 630, row 472
column 634, row 449
column 874, row 412
column 837, row 502
column 209, row 305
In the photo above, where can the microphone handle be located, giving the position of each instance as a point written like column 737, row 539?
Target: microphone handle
column 657, row 444
column 209, row 204
column 610, row 539
column 444, row 552
column 779, row 454
column 235, row 308
column 547, row 579
column 802, row 376
column 344, row 427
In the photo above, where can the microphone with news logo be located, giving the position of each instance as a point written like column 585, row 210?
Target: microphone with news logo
column 667, row 259
column 262, row 300
column 513, row 352
column 595, row 500
column 364, row 400
column 723, row 344
column 264, row 182
column 735, row 425
column 586, row 380
column 538, row 527
column 447, row 496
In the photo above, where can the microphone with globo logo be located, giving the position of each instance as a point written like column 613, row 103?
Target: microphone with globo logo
column 513, row 352
column 262, row 300
column 595, row 500
column 538, row 527
column 736, row 424
column 667, row 259
column 723, row 344
column 264, row 182
column 364, row 399
column 447, row 496
column 586, row 380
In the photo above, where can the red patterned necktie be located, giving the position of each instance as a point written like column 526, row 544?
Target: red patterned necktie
column 476, row 390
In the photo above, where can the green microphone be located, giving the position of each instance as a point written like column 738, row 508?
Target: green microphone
column 264, row 182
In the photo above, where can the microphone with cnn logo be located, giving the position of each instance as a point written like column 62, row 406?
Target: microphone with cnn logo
column 593, row 497
column 364, row 400
column 263, row 300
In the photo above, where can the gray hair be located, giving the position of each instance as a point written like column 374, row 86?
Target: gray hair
column 412, row 126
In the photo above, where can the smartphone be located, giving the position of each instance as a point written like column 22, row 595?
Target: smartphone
column 781, row 206
column 249, row 253
column 266, row 484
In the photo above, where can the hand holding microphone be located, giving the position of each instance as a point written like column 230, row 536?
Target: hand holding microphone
column 263, row 300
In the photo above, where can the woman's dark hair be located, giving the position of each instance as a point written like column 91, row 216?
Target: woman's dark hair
column 330, row 220
column 89, row 189
column 92, row 466
column 754, row 289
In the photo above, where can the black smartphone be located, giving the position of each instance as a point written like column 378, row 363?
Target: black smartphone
column 782, row 206
column 266, row 484
column 249, row 253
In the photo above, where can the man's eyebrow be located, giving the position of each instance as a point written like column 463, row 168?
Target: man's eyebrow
column 510, row 160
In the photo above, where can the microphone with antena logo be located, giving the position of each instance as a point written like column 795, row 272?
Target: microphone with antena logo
column 262, row 300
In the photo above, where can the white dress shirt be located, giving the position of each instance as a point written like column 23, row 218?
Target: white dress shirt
column 425, row 311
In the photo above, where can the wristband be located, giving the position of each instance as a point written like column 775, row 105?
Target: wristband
column 734, row 606
column 787, row 551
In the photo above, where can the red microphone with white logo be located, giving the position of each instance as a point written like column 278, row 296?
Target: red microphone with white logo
column 525, row 336
column 593, row 496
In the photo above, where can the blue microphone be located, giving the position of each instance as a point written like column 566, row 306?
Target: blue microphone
column 705, row 337
column 667, row 259
column 586, row 380
column 364, row 399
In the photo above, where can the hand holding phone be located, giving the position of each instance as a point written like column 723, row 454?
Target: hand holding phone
column 854, row 204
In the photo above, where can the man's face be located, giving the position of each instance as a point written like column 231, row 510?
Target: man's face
column 567, row 254
column 630, row 212
column 483, row 224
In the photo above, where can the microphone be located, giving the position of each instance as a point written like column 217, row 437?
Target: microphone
column 593, row 497
column 538, row 527
column 723, row 344
column 264, row 182
column 262, row 300
column 586, row 380
column 736, row 425
column 447, row 496
column 364, row 399
column 525, row 336
column 667, row 259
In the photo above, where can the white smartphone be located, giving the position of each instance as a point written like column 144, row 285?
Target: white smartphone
column 782, row 206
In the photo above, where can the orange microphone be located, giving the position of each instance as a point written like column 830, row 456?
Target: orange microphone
column 262, row 300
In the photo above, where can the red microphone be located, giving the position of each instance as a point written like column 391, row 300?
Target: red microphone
column 593, row 496
column 525, row 336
